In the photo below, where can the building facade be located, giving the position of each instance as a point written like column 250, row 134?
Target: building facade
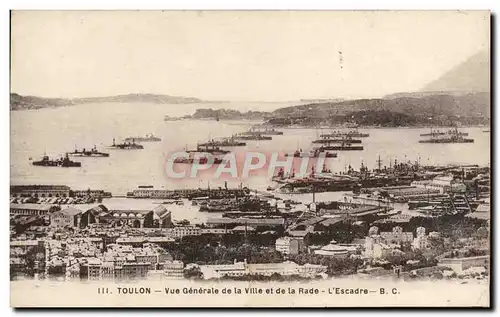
column 32, row 209
column 69, row 217
column 290, row 245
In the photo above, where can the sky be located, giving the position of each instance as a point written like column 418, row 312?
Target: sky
column 239, row 56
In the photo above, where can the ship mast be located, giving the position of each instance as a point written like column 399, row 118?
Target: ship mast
column 379, row 163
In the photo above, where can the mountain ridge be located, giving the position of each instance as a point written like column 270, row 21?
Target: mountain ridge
column 20, row 102
column 472, row 75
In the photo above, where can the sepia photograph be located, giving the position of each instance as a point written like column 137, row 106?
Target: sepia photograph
column 250, row 158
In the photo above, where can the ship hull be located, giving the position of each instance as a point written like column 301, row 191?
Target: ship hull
column 45, row 164
column 126, row 147
column 326, row 141
column 224, row 144
column 340, row 135
column 264, row 133
column 304, row 155
column 341, row 148
column 89, row 154
column 200, row 161
column 447, row 141
column 252, row 138
column 143, row 139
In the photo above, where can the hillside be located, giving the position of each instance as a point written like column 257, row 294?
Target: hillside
column 18, row 102
column 229, row 114
column 467, row 104
column 473, row 75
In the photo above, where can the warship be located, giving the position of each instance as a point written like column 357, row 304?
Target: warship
column 340, row 134
column 126, row 146
column 454, row 137
column 147, row 138
column 224, row 142
column 201, row 160
column 441, row 133
column 88, row 153
column 253, row 137
column 328, row 140
column 209, row 148
column 62, row 162
column 341, row 147
column 314, row 153
column 262, row 132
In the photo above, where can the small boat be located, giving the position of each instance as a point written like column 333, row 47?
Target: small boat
column 88, row 153
column 147, row 138
column 126, row 146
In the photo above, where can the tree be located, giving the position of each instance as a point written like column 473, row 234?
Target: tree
column 193, row 272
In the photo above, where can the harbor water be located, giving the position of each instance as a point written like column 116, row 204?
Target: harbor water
column 55, row 131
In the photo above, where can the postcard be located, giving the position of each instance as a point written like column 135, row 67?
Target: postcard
column 250, row 159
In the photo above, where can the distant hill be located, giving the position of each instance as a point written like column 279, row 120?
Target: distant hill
column 228, row 114
column 406, row 109
column 473, row 75
column 18, row 102
column 466, row 104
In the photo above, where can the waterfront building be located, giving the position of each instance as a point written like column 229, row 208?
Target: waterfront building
column 162, row 217
column 93, row 193
column 32, row 209
column 151, row 193
column 243, row 229
column 444, row 184
column 266, row 269
column 183, row 231
column 458, row 265
column 130, row 218
column 187, row 193
column 173, row 269
column 92, row 215
column 69, row 217
column 158, row 217
column 290, row 245
column 254, row 222
column 215, row 231
column 40, row 191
